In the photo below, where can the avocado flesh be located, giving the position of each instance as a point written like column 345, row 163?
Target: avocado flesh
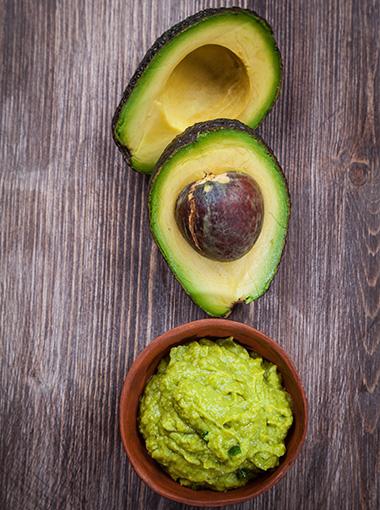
column 223, row 64
column 218, row 147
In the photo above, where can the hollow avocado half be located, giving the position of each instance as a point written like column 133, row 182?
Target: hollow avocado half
column 217, row 63
column 217, row 147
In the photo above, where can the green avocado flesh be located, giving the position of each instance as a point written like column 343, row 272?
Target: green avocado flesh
column 215, row 416
column 216, row 286
column 223, row 64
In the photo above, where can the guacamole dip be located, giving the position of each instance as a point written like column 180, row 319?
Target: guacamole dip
column 215, row 415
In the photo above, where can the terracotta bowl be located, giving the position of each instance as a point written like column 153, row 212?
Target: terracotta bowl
column 143, row 368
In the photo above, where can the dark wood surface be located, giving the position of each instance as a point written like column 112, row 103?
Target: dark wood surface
column 83, row 289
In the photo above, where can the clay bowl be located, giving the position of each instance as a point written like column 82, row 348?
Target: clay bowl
column 143, row 368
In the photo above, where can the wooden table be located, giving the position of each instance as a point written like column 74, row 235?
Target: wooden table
column 83, row 288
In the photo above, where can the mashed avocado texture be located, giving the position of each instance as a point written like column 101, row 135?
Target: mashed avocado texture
column 215, row 415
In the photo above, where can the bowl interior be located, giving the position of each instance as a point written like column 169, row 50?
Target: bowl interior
column 144, row 367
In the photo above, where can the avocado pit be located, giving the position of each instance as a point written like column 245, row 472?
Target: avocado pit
column 221, row 215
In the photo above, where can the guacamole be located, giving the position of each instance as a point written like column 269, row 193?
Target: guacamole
column 215, row 415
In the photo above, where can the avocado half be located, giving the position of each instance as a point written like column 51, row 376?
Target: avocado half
column 217, row 63
column 219, row 146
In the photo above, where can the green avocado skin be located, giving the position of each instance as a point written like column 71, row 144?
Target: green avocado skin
column 214, row 415
column 160, row 43
column 188, row 137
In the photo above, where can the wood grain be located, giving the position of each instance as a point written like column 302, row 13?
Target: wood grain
column 83, row 288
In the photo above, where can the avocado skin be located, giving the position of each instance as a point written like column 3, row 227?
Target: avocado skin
column 189, row 136
column 162, row 41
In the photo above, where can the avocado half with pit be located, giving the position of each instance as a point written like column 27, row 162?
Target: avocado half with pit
column 219, row 210
column 217, row 63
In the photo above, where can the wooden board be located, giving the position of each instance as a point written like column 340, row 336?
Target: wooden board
column 83, row 289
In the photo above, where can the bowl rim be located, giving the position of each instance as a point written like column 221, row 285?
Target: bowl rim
column 163, row 343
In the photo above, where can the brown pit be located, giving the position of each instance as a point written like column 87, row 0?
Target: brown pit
column 221, row 215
